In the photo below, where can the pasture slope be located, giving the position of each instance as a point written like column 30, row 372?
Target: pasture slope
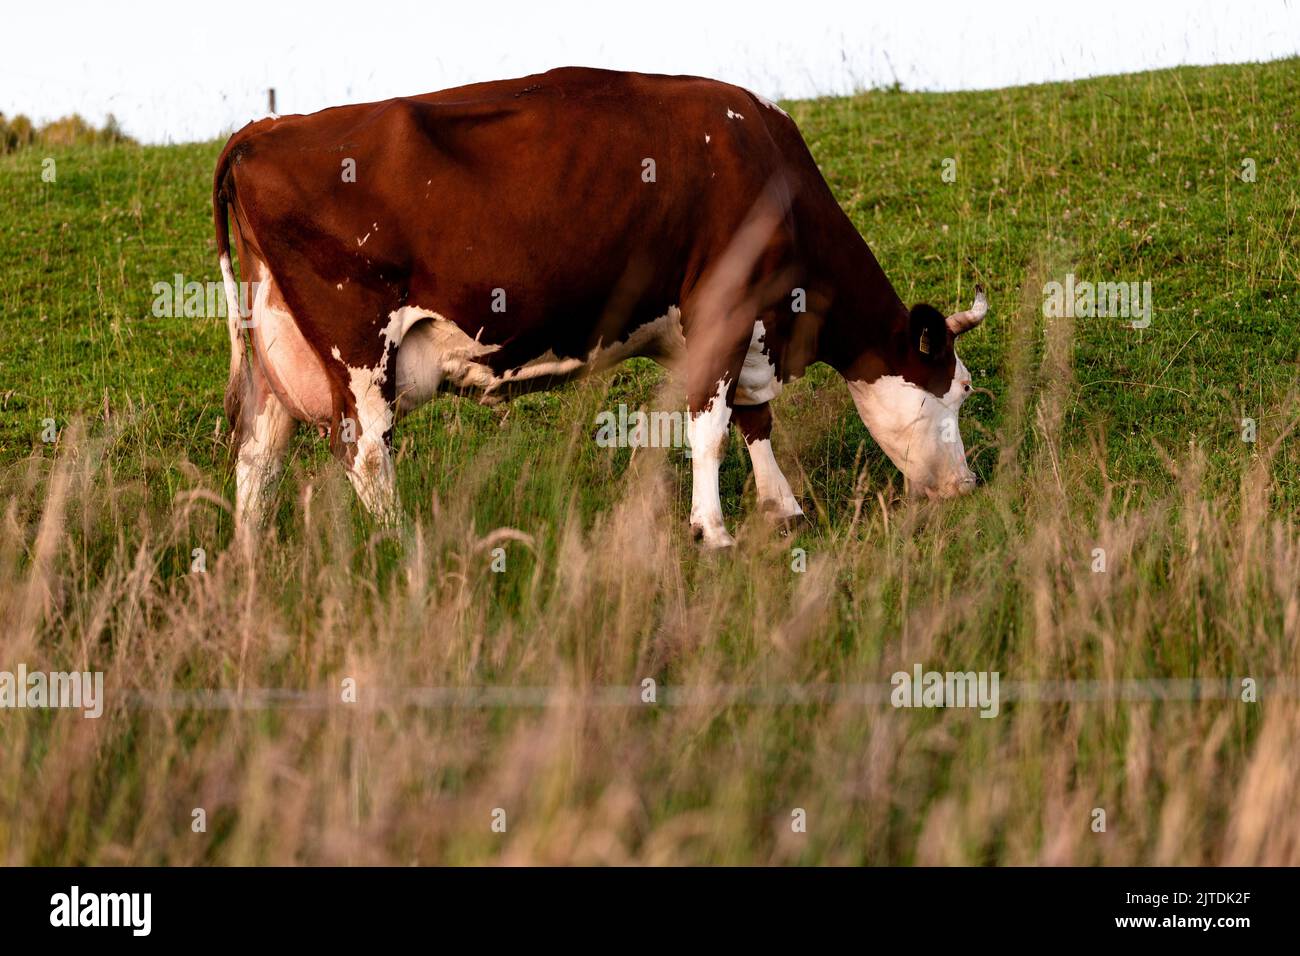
column 515, row 697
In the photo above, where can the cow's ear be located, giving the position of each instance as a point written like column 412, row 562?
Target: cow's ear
column 929, row 332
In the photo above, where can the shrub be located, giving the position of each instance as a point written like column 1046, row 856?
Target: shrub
column 73, row 130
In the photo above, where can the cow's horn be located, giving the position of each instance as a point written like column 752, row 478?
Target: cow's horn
column 960, row 322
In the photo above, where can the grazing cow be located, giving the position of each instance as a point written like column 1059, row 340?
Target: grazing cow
column 509, row 236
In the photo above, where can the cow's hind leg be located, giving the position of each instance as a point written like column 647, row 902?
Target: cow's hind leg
column 365, row 442
column 775, row 498
column 261, row 439
column 351, row 328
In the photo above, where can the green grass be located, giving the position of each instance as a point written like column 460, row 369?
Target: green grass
column 1089, row 434
column 1130, row 177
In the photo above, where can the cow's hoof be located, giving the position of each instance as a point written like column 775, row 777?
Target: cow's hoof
column 787, row 526
column 784, row 521
column 712, row 539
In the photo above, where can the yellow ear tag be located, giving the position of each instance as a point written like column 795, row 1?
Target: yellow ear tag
column 924, row 343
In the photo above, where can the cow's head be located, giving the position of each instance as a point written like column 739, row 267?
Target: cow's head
column 909, row 401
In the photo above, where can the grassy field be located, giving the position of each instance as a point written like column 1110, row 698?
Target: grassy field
column 516, row 697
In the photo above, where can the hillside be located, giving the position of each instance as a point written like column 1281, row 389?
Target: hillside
column 1090, row 434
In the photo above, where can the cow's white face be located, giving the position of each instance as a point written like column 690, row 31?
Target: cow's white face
column 910, row 400
column 918, row 430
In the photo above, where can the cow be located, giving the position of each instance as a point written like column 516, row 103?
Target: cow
column 508, row 236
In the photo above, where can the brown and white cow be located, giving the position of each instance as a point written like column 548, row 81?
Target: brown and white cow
column 510, row 236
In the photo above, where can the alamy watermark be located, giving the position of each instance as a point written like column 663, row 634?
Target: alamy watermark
column 1087, row 300
column 946, row 689
column 180, row 299
column 73, row 690
column 133, row 911
column 639, row 429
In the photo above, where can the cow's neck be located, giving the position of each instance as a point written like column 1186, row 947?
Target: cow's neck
column 865, row 329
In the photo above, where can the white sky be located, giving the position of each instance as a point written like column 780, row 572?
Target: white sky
column 183, row 70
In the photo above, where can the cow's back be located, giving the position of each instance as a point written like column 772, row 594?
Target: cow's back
column 573, row 192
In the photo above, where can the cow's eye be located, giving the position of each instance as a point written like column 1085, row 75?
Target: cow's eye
column 966, row 387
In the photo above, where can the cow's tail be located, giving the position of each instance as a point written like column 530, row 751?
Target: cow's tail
column 223, row 196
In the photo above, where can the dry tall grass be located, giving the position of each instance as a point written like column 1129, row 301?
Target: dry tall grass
column 522, row 690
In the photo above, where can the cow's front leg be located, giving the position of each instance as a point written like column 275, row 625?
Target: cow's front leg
column 716, row 343
column 707, row 433
column 775, row 498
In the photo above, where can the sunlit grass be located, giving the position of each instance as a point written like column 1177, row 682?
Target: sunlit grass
column 1091, row 436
